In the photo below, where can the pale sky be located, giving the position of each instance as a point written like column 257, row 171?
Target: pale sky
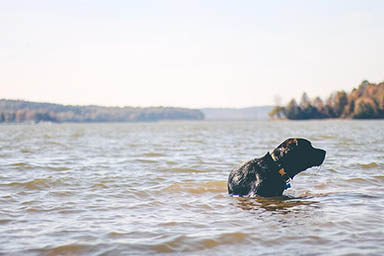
column 187, row 53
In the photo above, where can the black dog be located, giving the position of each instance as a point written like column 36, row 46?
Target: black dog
column 270, row 175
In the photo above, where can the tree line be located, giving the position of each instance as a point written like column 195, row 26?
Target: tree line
column 18, row 111
column 364, row 102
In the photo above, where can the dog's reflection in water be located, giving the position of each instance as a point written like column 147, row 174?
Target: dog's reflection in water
column 282, row 204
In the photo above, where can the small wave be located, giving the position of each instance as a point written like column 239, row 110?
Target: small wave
column 169, row 162
column 379, row 177
column 357, row 180
column 34, row 166
column 33, row 184
column 77, row 134
column 70, row 211
column 169, row 246
column 325, row 136
column 320, row 186
column 55, row 168
column 115, row 234
column 373, row 180
column 181, row 170
column 56, row 143
column 19, row 164
column 173, row 223
column 143, row 195
column 39, row 210
column 99, row 186
column 36, row 184
column 203, row 142
column 154, row 154
column 199, row 188
column 26, row 151
column 189, row 243
column 42, row 208
column 145, row 161
column 148, row 203
column 227, row 238
column 370, row 165
column 308, row 194
column 62, row 193
column 70, row 249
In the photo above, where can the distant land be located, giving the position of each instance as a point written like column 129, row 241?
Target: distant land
column 19, row 111
column 364, row 102
column 250, row 113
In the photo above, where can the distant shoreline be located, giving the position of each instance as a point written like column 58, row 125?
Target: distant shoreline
column 28, row 112
column 20, row 111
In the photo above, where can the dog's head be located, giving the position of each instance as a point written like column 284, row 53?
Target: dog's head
column 296, row 155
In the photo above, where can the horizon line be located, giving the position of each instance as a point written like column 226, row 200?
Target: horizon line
column 133, row 106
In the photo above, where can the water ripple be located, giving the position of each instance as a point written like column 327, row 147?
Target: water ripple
column 151, row 188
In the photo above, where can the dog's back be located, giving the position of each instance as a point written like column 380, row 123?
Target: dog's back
column 256, row 177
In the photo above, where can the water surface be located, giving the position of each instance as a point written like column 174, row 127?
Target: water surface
column 151, row 188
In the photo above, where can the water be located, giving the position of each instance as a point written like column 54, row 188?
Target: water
column 151, row 188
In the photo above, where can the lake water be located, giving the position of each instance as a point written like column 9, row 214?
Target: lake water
column 152, row 188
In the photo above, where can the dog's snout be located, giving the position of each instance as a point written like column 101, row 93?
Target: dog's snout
column 321, row 156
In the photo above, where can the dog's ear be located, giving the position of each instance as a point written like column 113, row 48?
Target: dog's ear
column 289, row 144
column 284, row 148
column 293, row 142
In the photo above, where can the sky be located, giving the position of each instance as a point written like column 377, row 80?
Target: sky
column 212, row 53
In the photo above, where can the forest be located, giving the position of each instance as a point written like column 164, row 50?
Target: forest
column 364, row 102
column 19, row 111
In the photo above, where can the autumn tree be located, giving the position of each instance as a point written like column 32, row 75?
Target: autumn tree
column 366, row 101
column 340, row 101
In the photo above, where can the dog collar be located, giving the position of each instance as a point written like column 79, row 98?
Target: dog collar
column 282, row 173
column 286, row 178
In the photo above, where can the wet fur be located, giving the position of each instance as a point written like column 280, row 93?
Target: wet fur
column 267, row 176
